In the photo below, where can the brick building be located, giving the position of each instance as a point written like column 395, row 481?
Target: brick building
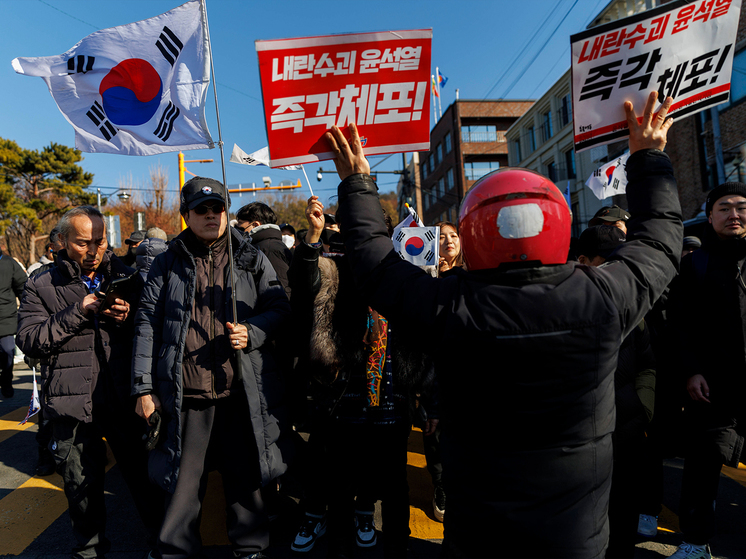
column 467, row 142
column 694, row 144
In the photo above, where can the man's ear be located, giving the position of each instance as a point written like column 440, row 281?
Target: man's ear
column 585, row 261
column 709, row 217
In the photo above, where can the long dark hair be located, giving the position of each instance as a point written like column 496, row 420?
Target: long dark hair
column 460, row 257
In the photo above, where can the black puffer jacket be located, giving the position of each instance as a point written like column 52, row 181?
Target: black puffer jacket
column 707, row 316
column 145, row 255
column 525, row 360
column 52, row 327
column 268, row 239
column 11, row 286
column 162, row 323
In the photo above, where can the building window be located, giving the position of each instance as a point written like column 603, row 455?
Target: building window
column 447, row 140
column 424, row 170
column 737, row 80
column 570, row 163
column 449, row 179
column 426, row 199
column 441, row 187
column 430, row 164
column 477, row 169
column 552, row 171
column 566, row 110
column 531, row 139
column 517, row 146
column 439, row 151
column 479, row 133
column 546, row 125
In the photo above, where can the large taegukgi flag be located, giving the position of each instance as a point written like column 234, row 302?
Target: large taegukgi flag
column 136, row 89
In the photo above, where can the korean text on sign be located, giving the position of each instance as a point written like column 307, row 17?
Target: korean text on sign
column 379, row 81
column 682, row 50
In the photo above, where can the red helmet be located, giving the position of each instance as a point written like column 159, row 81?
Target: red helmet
column 514, row 215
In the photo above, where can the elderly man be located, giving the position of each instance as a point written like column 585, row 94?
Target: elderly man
column 211, row 375
column 85, row 389
column 523, row 342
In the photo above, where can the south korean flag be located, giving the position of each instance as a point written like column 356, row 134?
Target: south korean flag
column 418, row 245
column 136, row 89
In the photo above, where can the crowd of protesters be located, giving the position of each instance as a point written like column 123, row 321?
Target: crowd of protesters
column 554, row 351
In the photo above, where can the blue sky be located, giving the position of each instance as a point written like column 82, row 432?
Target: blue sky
column 488, row 49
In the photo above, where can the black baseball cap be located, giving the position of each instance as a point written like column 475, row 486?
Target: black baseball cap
column 135, row 237
column 600, row 240
column 201, row 189
column 288, row 227
column 610, row 214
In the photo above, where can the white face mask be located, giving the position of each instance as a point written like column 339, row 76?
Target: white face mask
column 288, row 240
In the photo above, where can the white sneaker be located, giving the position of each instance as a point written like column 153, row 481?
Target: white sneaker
column 691, row 551
column 647, row 525
column 311, row 529
column 366, row 530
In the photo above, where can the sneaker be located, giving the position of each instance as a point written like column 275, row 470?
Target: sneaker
column 691, row 551
column 439, row 503
column 365, row 535
column 647, row 525
column 311, row 529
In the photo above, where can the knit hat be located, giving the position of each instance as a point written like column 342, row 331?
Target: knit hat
column 725, row 189
column 600, row 240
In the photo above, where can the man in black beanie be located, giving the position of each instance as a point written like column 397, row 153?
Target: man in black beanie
column 707, row 310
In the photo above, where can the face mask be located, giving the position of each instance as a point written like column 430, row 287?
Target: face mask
column 288, row 240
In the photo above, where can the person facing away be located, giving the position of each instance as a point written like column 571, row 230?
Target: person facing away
column 537, row 340
column 210, row 375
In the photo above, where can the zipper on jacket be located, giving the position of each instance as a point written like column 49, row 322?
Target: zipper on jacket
column 211, row 285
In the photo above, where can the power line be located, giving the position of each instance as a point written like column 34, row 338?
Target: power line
column 525, row 69
column 523, row 50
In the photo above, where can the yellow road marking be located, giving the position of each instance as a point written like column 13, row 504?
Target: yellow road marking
column 737, row 474
column 31, row 508
column 422, row 523
column 668, row 521
column 9, row 423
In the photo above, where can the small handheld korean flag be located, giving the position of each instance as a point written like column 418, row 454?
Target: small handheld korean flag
column 611, row 179
column 259, row 157
column 35, row 405
column 136, row 89
column 418, row 245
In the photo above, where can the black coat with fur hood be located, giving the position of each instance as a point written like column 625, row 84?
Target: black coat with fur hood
column 332, row 317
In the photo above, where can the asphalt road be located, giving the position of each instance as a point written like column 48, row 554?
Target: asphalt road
column 34, row 523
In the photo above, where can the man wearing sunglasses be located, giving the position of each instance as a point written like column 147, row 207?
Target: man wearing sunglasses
column 211, row 376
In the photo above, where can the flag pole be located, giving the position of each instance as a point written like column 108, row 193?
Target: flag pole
column 432, row 88
column 437, row 83
column 225, row 182
column 307, row 181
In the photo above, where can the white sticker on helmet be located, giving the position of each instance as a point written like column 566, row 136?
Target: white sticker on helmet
column 520, row 221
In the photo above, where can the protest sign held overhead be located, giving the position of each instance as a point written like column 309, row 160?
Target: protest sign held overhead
column 684, row 50
column 379, row 81
column 136, row 89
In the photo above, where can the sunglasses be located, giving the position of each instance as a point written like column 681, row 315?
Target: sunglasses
column 216, row 208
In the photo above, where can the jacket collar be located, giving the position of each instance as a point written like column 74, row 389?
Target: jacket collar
column 266, row 231
column 72, row 270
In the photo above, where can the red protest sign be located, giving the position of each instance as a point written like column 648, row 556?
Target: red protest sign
column 380, row 81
